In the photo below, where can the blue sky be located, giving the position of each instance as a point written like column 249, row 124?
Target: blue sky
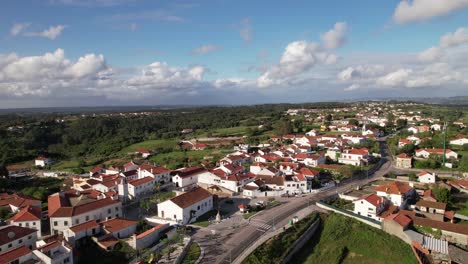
column 111, row 52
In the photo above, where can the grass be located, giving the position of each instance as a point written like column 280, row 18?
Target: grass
column 66, row 164
column 428, row 231
column 193, row 254
column 345, row 240
column 151, row 145
column 276, row 248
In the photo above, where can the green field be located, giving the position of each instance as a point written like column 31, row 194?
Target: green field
column 193, row 254
column 151, row 145
column 345, row 240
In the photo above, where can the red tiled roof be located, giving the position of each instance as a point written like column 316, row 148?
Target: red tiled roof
column 14, row 254
column 140, row 181
column 149, row 231
column 117, row 224
column 422, row 173
column 307, row 171
column 400, row 219
column 154, row 169
column 456, row 228
column 17, row 200
column 362, row 151
column 67, row 211
column 373, row 199
column 394, row 188
column 28, row 213
column 143, row 151
column 189, row 198
column 403, row 156
column 190, row 171
column 18, row 232
column 435, row 150
column 41, row 158
column 430, row 204
column 84, row 226
column 49, row 246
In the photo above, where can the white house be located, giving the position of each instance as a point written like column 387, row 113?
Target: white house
column 436, row 127
column 65, row 213
column 354, row 156
column 54, row 252
column 187, row 177
column 30, row 217
column 371, row 206
column 138, row 188
column 460, row 140
column 295, row 184
column 42, row 162
column 425, row 153
column 396, row 192
column 161, row 174
column 185, row 208
column 427, row 177
column 13, row 237
column 413, row 130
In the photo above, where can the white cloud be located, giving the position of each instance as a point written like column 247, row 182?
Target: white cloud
column 360, row 71
column 51, row 33
column 460, row 36
column 419, row 10
column 245, row 31
column 352, row 87
column 335, row 37
column 396, row 78
column 205, row 49
column 430, row 54
column 87, row 65
column 17, row 28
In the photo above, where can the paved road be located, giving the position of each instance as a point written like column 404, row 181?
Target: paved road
column 228, row 244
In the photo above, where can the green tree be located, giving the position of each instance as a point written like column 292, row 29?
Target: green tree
column 442, row 195
column 353, row 122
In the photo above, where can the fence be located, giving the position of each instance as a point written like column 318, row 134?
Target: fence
column 360, row 218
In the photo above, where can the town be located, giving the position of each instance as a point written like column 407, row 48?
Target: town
column 394, row 170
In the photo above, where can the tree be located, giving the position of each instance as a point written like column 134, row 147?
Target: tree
column 283, row 127
column 412, row 176
column 401, row 122
column 353, row 122
column 442, row 195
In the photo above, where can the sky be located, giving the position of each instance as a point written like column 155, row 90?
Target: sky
column 156, row 52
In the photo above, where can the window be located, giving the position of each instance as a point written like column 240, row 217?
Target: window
column 20, row 241
column 65, row 223
column 27, row 224
column 20, row 224
column 34, row 223
column 16, row 261
column 66, row 260
column 87, row 218
column 29, row 237
column 108, row 211
column 198, row 207
column 116, row 209
column 55, row 223
column 10, row 245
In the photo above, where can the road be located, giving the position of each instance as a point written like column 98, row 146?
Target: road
column 230, row 243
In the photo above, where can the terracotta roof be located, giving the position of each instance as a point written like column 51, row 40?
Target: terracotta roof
column 400, row 219
column 274, row 180
column 242, row 206
column 190, row 171
column 362, row 151
column 28, row 213
column 129, row 173
column 117, row 224
column 307, row 171
column 155, row 228
column 154, row 169
column 14, row 254
column 456, row 228
column 422, row 173
column 403, row 156
column 250, row 188
column 49, row 246
column 394, row 188
column 141, row 181
column 143, row 151
column 435, row 150
column 84, row 226
column 189, row 198
column 67, row 211
column 17, row 200
column 109, row 241
column 17, row 231
column 373, row 199
column 430, row 204
column 96, row 169
column 41, row 158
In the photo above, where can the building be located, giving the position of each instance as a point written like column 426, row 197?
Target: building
column 354, row 157
column 398, row 193
column 42, row 162
column 161, row 174
column 187, row 178
column 425, row 153
column 30, row 217
column 371, row 206
column 403, row 161
column 459, row 140
column 67, row 210
column 54, row 252
column 185, row 208
column 19, row 255
column 139, row 187
column 427, row 177
column 145, row 153
column 14, row 202
column 12, row 237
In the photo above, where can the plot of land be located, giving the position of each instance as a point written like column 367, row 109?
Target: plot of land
column 344, row 240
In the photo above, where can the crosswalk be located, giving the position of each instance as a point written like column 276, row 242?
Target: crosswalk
column 261, row 226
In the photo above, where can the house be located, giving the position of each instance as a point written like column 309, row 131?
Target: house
column 130, row 166
column 436, row 127
column 295, row 184
column 313, row 133
column 413, row 130
column 75, row 234
column 403, row 142
column 427, row 177
column 425, row 153
column 139, row 187
column 119, row 227
column 252, row 189
column 415, row 140
column 12, row 237
column 231, row 182
column 42, row 162
column 185, row 208
column 403, row 161
column 333, row 153
column 199, row 146
column 309, row 173
column 159, row 173
column 69, row 209
column 187, row 177
column 54, row 252
column 288, row 167
column 354, row 156
column 18, row 255
column 14, row 202
column 310, row 159
column 145, row 153
column 459, row 140
column 430, row 207
column 371, row 206
column 398, row 193
column 30, row 217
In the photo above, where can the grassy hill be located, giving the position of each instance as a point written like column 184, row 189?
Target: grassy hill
column 345, row 240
